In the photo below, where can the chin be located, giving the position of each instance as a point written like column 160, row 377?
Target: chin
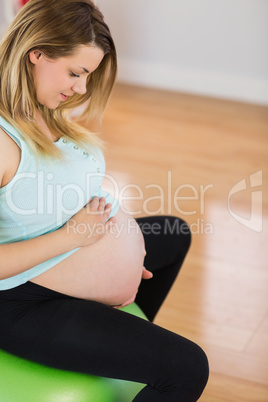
column 50, row 106
column 50, row 102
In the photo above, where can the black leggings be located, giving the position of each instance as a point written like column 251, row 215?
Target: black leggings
column 68, row 333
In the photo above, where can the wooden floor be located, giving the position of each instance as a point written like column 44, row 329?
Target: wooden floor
column 167, row 146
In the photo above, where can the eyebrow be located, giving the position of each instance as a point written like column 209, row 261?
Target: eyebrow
column 86, row 71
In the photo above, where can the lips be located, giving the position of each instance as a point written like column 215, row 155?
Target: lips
column 64, row 97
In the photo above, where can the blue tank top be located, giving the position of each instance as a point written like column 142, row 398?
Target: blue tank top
column 43, row 195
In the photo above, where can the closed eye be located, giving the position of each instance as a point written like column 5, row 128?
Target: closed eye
column 74, row 75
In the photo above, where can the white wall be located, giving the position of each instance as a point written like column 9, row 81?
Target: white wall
column 210, row 47
column 8, row 10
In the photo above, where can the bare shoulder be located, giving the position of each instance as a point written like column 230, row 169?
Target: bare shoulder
column 9, row 157
column 3, row 151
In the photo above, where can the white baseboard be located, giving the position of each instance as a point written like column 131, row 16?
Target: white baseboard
column 233, row 87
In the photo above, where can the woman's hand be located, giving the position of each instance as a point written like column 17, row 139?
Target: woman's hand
column 146, row 274
column 89, row 224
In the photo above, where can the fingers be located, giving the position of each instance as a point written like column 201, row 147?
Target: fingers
column 107, row 211
column 99, row 205
column 146, row 274
column 94, row 218
column 95, row 203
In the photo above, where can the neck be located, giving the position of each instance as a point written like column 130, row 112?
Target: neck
column 43, row 126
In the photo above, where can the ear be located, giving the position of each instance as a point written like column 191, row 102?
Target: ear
column 35, row 56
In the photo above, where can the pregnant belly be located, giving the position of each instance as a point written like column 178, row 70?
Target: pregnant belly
column 109, row 271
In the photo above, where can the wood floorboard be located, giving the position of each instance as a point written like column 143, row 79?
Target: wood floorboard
column 167, row 146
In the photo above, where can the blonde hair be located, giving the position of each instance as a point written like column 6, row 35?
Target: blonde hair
column 56, row 28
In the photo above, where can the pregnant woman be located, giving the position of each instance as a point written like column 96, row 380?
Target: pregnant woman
column 69, row 257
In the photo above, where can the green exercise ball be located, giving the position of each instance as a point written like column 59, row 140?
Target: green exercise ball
column 25, row 381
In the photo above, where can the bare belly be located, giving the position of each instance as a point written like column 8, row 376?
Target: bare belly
column 109, row 271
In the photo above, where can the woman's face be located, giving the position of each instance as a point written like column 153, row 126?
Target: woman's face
column 56, row 80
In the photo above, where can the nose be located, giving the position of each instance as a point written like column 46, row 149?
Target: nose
column 80, row 86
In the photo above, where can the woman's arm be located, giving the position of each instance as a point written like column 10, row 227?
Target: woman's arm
column 18, row 257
